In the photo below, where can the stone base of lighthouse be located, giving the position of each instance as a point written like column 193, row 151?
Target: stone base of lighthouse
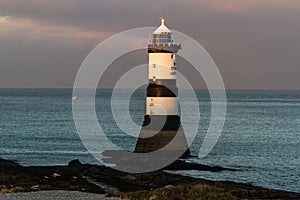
column 162, row 130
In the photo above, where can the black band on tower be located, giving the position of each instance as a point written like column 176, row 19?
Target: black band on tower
column 161, row 91
column 153, row 122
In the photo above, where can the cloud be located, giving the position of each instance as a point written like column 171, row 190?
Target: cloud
column 35, row 30
column 250, row 5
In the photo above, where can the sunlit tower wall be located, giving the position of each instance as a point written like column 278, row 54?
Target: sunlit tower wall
column 162, row 116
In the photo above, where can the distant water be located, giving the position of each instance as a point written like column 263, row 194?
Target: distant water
column 261, row 134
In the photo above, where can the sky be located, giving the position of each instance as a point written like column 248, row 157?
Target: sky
column 255, row 44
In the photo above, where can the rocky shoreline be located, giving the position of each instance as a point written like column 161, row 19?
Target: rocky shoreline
column 104, row 180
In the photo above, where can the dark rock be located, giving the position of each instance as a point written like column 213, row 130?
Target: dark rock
column 29, row 177
column 8, row 163
column 75, row 163
column 182, row 165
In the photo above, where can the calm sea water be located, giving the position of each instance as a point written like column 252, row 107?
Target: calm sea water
column 261, row 134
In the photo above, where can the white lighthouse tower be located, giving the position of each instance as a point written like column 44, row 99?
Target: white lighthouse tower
column 162, row 115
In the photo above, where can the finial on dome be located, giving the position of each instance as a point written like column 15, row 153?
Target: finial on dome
column 162, row 19
column 162, row 28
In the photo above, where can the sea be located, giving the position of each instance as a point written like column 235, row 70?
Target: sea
column 261, row 135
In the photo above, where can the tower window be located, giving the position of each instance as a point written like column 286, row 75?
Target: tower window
column 154, row 66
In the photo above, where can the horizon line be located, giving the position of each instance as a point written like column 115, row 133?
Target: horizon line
column 109, row 88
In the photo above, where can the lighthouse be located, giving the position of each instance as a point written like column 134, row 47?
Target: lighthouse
column 162, row 120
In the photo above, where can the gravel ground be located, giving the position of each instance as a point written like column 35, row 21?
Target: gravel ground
column 55, row 194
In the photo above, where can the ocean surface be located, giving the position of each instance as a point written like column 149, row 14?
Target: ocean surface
column 261, row 136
